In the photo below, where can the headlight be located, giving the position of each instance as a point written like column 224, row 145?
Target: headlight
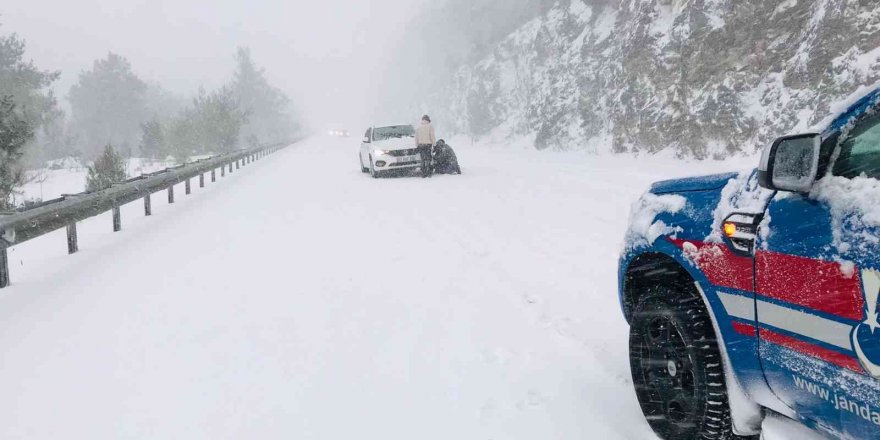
column 380, row 152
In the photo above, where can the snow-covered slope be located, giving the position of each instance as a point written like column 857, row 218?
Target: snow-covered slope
column 703, row 78
column 299, row 298
column 47, row 183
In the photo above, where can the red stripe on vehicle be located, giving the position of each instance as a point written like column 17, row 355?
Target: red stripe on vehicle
column 830, row 356
column 720, row 265
column 813, row 284
column 745, row 329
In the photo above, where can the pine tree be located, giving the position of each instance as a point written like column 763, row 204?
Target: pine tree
column 220, row 119
column 26, row 84
column 269, row 108
column 183, row 137
column 108, row 104
column 109, row 168
column 15, row 132
column 152, row 139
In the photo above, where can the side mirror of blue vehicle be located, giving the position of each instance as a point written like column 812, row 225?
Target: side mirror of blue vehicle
column 791, row 163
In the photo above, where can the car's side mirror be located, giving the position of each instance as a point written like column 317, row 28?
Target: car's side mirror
column 366, row 139
column 791, row 163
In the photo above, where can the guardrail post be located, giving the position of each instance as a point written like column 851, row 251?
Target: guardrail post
column 236, row 164
column 202, row 180
column 171, row 194
column 188, row 189
column 223, row 171
column 148, row 205
column 4, row 269
column 72, row 244
column 117, row 219
column 230, row 167
column 213, row 176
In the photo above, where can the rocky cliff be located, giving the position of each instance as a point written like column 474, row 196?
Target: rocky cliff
column 701, row 77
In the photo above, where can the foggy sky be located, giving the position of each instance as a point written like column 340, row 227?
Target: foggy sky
column 327, row 55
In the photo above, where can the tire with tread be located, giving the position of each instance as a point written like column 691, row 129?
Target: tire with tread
column 373, row 172
column 677, row 368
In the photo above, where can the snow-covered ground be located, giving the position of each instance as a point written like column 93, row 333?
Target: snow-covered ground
column 299, row 298
column 48, row 184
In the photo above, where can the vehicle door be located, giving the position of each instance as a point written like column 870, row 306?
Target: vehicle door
column 366, row 142
column 817, row 284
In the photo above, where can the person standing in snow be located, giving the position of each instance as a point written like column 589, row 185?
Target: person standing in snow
column 425, row 140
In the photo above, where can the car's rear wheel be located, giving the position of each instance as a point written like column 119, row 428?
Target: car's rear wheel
column 677, row 369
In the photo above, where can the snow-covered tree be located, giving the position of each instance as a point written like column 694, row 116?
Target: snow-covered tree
column 269, row 108
column 220, row 118
column 108, row 168
column 152, row 139
column 108, row 104
column 15, row 132
column 25, row 83
column 183, row 137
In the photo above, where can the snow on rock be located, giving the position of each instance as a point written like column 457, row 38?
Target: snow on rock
column 841, row 105
column 615, row 72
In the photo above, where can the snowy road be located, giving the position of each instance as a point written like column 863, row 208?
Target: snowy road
column 306, row 300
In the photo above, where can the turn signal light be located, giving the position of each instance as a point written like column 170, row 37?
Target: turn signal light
column 729, row 229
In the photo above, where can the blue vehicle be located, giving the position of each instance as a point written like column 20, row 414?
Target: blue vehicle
column 755, row 295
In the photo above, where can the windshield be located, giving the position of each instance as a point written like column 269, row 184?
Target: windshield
column 393, row 132
column 860, row 153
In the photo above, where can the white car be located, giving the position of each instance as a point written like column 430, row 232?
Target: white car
column 389, row 148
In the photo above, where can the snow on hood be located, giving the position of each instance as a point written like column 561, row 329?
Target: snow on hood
column 403, row 143
column 700, row 183
column 643, row 229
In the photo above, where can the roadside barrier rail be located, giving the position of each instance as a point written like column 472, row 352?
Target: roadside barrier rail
column 19, row 226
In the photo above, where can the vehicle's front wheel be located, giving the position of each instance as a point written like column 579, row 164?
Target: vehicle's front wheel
column 361, row 162
column 677, row 368
column 373, row 171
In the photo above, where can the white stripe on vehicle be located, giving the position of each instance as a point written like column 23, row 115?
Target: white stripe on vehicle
column 788, row 319
column 738, row 306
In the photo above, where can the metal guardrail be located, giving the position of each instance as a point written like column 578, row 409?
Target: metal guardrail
column 20, row 226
